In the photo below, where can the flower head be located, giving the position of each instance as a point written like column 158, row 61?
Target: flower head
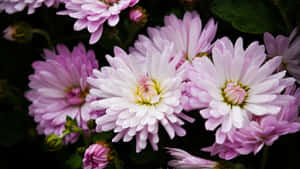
column 59, row 89
column 138, row 94
column 288, row 48
column 92, row 14
column 190, row 40
column 238, row 86
column 13, row 6
column 96, row 156
column 261, row 130
column 184, row 160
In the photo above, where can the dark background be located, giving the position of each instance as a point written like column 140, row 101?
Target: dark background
column 22, row 147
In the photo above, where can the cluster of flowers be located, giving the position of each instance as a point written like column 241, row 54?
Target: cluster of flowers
column 245, row 94
column 90, row 14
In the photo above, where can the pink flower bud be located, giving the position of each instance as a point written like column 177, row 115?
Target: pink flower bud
column 96, row 156
column 20, row 32
column 138, row 15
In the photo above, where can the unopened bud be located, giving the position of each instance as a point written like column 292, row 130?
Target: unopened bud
column 91, row 124
column 71, row 124
column 138, row 15
column 54, row 142
column 20, row 32
column 95, row 152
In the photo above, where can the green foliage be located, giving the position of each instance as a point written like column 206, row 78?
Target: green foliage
column 249, row 16
column 289, row 10
column 75, row 161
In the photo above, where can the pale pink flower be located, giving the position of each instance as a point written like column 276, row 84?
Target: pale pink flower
column 59, row 89
column 261, row 131
column 96, row 156
column 184, row 160
column 92, row 14
column 190, row 42
column 139, row 93
column 13, row 6
column 189, row 39
column 288, row 48
column 238, row 86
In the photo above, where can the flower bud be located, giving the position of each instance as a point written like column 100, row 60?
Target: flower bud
column 96, row 156
column 91, row 124
column 54, row 142
column 71, row 124
column 184, row 160
column 138, row 15
column 20, row 32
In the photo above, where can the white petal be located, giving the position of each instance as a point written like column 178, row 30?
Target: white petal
column 260, row 110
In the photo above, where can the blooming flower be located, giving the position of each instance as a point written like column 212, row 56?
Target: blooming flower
column 96, row 156
column 92, row 14
column 261, row 130
column 238, row 85
column 138, row 94
column 184, row 160
column 190, row 40
column 13, row 6
column 59, row 89
column 288, row 48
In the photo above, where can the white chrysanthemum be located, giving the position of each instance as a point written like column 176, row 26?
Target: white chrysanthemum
column 239, row 86
column 138, row 94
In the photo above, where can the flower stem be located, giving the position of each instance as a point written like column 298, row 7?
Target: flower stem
column 66, row 132
column 45, row 35
column 264, row 158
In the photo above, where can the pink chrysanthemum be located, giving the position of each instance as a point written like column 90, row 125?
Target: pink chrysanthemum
column 59, row 89
column 92, row 14
column 190, row 41
column 138, row 94
column 184, row 160
column 96, row 156
column 238, row 85
column 13, row 6
column 288, row 48
column 261, row 130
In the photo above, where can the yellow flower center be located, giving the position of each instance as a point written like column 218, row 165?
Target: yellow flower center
column 148, row 91
column 235, row 93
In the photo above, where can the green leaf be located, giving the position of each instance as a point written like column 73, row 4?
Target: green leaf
column 250, row 16
column 75, row 161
